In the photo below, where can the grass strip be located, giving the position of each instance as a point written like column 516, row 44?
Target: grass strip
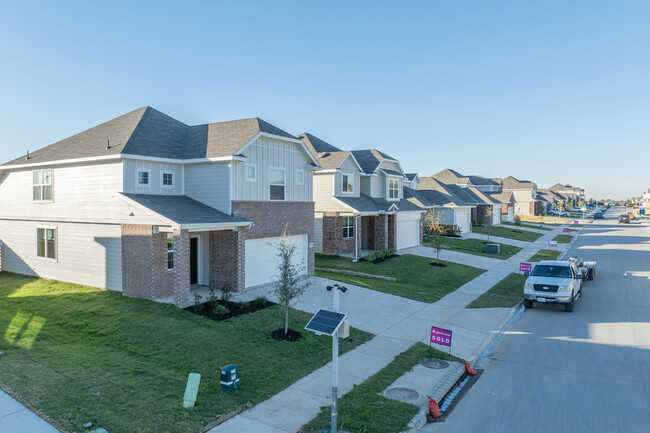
column 505, row 294
column 563, row 239
column 476, row 247
column 537, row 227
column 364, row 409
column 77, row 354
column 416, row 279
column 545, row 255
column 506, row 232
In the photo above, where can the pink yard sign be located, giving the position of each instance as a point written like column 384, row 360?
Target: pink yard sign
column 576, row 222
column 525, row 267
column 567, row 230
column 441, row 336
column 552, row 244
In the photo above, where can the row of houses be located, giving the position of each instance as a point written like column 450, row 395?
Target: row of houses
column 149, row 206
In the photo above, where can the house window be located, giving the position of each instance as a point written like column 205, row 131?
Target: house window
column 251, row 173
column 167, row 179
column 347, row 184
column 42, row 181
column 170, row 251
column 142, row 178
column 393, row 189
column 46, row 243
column 300, row 177
column 348, row 227
column 276, row 183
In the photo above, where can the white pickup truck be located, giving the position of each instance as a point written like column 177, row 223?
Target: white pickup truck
column 553, row 282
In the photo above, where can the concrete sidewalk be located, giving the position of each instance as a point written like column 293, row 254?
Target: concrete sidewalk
column 397, row 322
column 16, row 418
column 473, row 260
column 500, row 240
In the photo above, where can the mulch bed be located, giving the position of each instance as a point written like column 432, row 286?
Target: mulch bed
column 232, row 309
column 291, row 335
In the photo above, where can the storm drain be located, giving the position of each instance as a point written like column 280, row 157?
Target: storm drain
column 402, row 394
column 437, row 364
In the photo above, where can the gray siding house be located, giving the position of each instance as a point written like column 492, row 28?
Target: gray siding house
column 147, row 205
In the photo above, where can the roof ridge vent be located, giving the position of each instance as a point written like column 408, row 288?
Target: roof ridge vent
column 108, row 144
column 27, row 157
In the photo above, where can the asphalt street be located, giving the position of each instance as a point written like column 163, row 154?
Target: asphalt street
column 585, row 371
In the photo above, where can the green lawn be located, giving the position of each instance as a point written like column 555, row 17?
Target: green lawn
column 545, row 255
column 416, row 279
column 507, row 232
column 506, row 293
column 563, row 239
column 365, row 410
column 475, row 246
column 77, row 354
column 548, row 229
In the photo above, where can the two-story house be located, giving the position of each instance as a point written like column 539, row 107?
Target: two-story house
column 359, row 201
column 525, row 195
column 147, row 205
column 572, row 195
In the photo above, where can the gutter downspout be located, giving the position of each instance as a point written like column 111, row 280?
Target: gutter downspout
column 356, row 238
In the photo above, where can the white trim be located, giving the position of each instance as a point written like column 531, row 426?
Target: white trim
column 230, row 187
column 168, row 251
column 353, row 158
column 344, row 226
column 56, row 243
column 301, row 171
column 388, row 179
column 199, row 227
column 350, row 177
column 268, row 183
column 137, row 177
column 246, row 178
column 162, row 177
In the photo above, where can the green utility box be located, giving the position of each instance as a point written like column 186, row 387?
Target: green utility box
column 229, row 378
column 491, row 248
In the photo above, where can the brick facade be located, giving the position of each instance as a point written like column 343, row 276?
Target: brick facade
column 381, row 232
column 181, row 268
column 392, row 228
column 227, row 259
column 137, row 261
column 333, row 240
column 271, row 217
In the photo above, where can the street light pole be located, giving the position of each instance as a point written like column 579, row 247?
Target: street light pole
column 335, row 357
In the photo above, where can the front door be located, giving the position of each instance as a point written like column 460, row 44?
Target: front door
column 194, row 260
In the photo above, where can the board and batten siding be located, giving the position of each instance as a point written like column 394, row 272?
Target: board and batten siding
column 81, row 193
column 377, row 187
column 156, row 169
column 265, row 153
column 209, row 184
column 318, row 233
column 88, row 254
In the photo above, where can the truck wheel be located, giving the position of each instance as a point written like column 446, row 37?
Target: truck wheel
column 569, row 307
column 528, row 304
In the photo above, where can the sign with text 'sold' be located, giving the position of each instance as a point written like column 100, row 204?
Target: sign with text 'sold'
column 567, row 230
column 441, row 336
column 525, row 267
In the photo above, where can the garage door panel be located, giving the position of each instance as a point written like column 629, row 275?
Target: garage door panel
column 463, row 221
column 262, row 262
column 408, row 230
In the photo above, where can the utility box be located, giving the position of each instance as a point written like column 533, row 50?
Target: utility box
column 344, row 330
column 491, row 248
column 229, row 378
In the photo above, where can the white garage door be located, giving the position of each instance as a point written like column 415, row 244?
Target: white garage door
column 463, row 220
column 262, row 260
column 408, row 230
column 496, row 214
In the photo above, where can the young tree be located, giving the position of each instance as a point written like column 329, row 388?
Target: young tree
column 289, row 285
column 434, row 227
column 488, row 225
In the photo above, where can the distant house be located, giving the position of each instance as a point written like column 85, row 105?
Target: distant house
column 525, row 195
column 359, row 201
column 147, row 205
column 572, row 195
column 454, row 206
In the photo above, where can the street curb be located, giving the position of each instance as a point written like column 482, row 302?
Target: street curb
column 420, row 419
column 568, row 247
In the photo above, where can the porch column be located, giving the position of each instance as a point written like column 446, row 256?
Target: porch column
column 381, row 232
column 182, row 268
column 227, row 259
column 392, row 228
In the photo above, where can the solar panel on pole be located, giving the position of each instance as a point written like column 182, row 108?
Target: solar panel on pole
column 326, row 322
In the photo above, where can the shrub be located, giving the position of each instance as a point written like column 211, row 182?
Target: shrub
column 213, row 299
column 260, row 300
column 198, row 305
column 220, row 310
column 226, row 292
column 518, row 220
column 391, row 252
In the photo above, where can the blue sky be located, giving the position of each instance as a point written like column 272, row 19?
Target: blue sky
column 553, row 91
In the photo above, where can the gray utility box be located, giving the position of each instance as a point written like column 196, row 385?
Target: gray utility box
column 229, row 378
column 491, row 248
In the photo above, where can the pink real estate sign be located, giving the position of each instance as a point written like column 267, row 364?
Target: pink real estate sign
column 525, row 267
column 441, row 336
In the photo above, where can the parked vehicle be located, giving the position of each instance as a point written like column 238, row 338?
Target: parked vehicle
column 625, row 219
column 599, row 215
column 576, row 209
column 587, row 269
column 553, row 282
column 556, row 212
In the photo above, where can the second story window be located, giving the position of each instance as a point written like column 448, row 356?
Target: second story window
column 347, row 183
column 393, row 189
column 348, row 227
column 42, row 184
column 251, row 173
column 167, row 179
column 276, row 183
column 142, row 178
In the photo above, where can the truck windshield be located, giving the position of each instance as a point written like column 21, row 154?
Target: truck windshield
column 551, row 271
